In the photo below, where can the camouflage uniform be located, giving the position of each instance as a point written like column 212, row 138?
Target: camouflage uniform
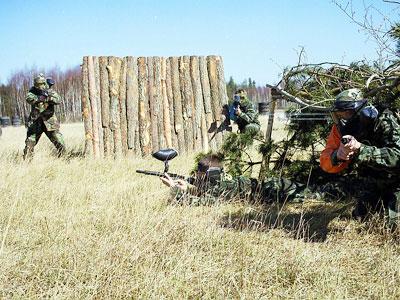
column 242, row 187
column 377, row 164
column 42, row 118
column 247, row 120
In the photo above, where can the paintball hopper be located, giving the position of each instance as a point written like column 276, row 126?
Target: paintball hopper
column 165, row 155
column 50, row 82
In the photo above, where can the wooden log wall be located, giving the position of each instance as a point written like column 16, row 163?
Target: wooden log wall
column 138, row 105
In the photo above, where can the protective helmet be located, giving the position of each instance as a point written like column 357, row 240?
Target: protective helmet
column 353, row 114
column 351, row 99
column 39, row 81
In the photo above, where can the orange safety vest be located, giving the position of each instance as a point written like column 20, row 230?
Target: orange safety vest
column 332, row 144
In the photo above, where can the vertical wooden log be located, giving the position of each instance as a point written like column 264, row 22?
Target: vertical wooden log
column 114, row 73
column 99, row 121
column 93, row 103
column 86, row 110
column 158, row 102
column 122, row 107
column 105, row 104
column 200, row 144
column 166, row 111
column 178, row 112
column 170, row 97
column 187, row 100
column 266, row 158
column 132, row 104
column 104, row 92
column 144, row 108
column 223, row 97
column 152, row 104
column 205, row 84
column 215, row 102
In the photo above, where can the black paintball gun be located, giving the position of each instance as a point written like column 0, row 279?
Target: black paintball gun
column 234, row 107
column 165, row 155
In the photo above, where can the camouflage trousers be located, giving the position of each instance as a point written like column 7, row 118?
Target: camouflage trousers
column 35, row 131
column 371, row 193
column 381, row 194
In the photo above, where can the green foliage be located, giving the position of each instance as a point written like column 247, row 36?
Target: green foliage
column 235, row 147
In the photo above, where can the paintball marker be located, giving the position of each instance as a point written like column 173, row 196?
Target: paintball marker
column 50, row 82
column 166, row 155
column 225, row 123
column 234, row 107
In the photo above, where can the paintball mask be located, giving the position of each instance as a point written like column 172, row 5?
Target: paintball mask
column 212, row 174
column 352, row 114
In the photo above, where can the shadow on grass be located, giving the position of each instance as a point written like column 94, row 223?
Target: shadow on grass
column 308, row 222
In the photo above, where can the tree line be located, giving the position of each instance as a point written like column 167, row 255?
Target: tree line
column 68, row 85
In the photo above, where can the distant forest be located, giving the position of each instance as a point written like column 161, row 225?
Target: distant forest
column 68, row 85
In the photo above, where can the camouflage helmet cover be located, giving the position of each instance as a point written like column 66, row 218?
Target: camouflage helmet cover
column 39, row 80
column 351, row 99
column 242, row 93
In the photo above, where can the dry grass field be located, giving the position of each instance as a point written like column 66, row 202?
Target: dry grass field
column 80, row 228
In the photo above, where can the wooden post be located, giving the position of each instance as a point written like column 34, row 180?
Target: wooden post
column 205, row 84
column 144, row 114
column 170, row 97
column 86, row 111
column 200, row 144
column 215, row 102
column 176, row 90
column 223, row 98
column 166, row 114
column 153, row 107
column 99, row 121
column 93, row 103
column 266, row 158
column 187, row 101
column 122, row 107
column 158, row 103
column 105, row 105
column 114, row 73
column 132, row 105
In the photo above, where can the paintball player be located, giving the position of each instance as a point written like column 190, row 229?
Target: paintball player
column 366, row 141
column 42, row 99
column 242, row 112
column 212, row 184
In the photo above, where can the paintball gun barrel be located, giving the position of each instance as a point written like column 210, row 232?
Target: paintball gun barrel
column 165, row 155
column 161, row 174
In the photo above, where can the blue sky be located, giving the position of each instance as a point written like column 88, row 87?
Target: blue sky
column 255, row 38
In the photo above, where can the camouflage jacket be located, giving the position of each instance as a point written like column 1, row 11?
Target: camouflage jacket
column 380, row 150
column 242, row 187
column 43, row 108
column 248, row 115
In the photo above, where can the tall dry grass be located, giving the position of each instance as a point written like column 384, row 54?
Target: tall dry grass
column 80, row 228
